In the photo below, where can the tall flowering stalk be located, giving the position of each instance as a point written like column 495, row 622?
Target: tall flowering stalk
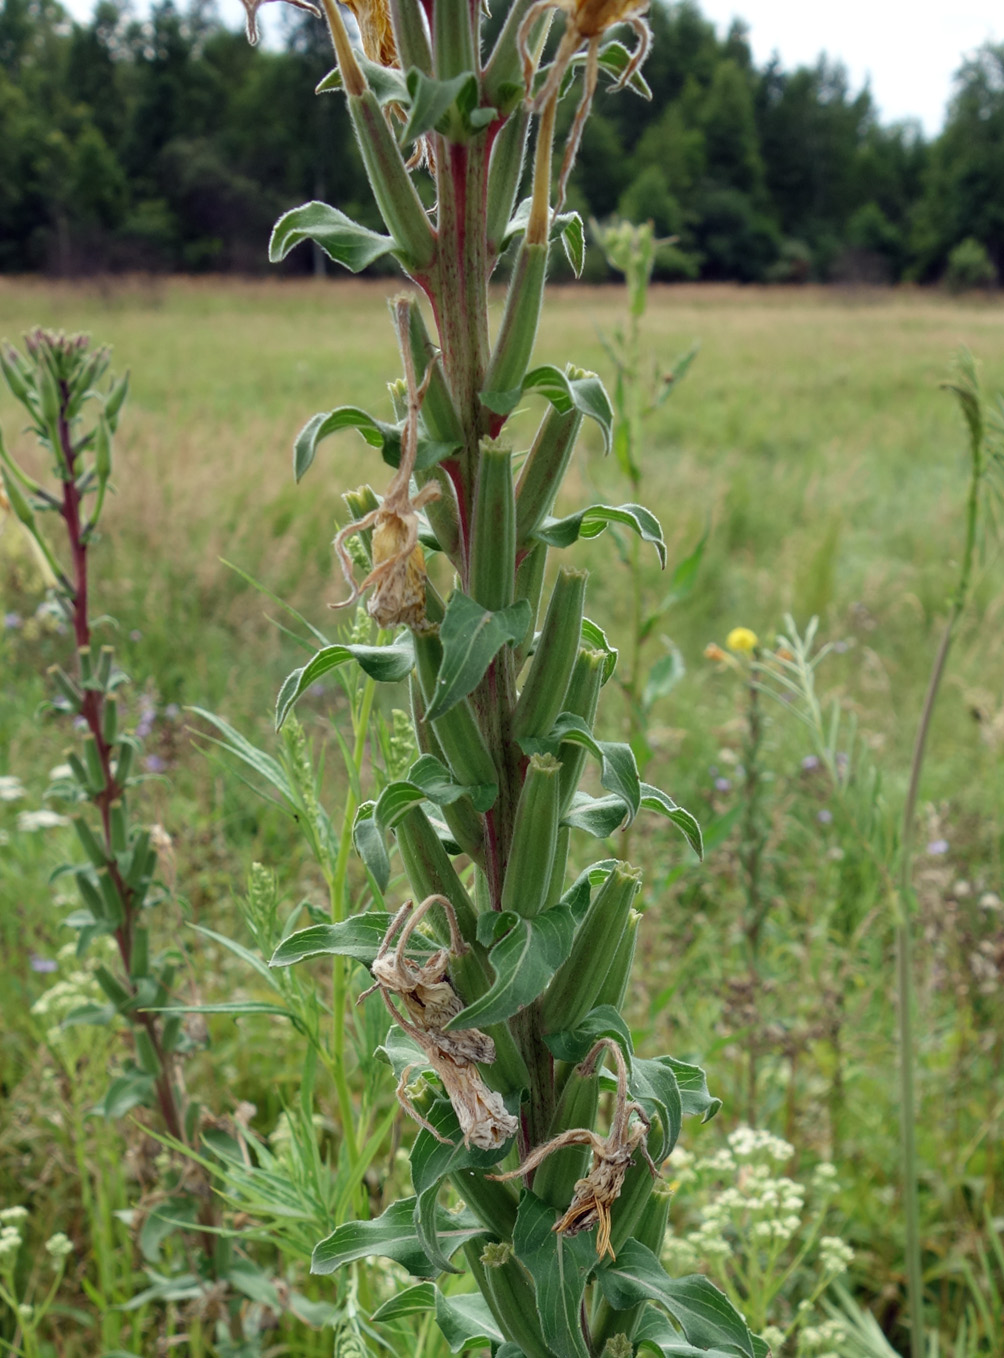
column 504, row 979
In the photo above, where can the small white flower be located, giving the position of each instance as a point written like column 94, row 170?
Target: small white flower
column 25, row 1312
column 59, row 1245
column 11, row 788
column 43, row 819
column 9, row 1244
column 12, row 1215
column 60, row 773
column 773, row 1337
column 835, row 1254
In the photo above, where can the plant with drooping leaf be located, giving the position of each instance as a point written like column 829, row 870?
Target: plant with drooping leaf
column 505, row 979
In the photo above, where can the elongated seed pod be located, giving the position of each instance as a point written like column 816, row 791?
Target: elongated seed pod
column 496, row 1209
column 650, row 1229
column 555, row 1178
column 518, row 331
column 581, row 700
column 452, row 39
column 399, row 204
column 531, row 856
column 410, row 36
column 89, row 842
column 544, row 470
column 493, row 540
column 511, row 1297
column 505, row 170
column 615, row 983
column 578, row 981
column 529, row 583
column 465, row 823
column 139, row 962
column 546, row 684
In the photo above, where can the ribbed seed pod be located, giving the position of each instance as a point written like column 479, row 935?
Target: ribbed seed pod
column 493, row 539
column 581, row 700
column 555, row 1178
column 531, row 857
column 579, row 980
column 529, row 583
column 544, row 470
column 543, row 694
column 457, row 731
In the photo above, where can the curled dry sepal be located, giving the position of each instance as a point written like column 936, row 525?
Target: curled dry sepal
column 431, row 1002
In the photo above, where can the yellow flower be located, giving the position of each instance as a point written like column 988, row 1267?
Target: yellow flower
column 742, row 639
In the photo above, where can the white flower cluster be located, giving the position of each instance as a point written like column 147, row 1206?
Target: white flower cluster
column 10, row 1243
column 749, row 1143
column 824, row 1340
column 11, row 788
column 835, row 1254
column 43, row 819
column 58, row 1246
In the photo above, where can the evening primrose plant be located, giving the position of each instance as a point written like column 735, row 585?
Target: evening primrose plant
column 540, row 1131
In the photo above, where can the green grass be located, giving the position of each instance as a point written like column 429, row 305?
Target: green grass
column 813, row 437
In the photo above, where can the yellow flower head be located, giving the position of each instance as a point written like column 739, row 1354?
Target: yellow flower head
column 742, row 639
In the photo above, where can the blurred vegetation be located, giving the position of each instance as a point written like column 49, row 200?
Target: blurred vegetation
column 169, row 144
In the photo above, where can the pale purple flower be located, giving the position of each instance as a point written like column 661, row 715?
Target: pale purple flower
column 723, row 785
column 938, row 846
column 42, row 963
column 809, row 763
column 154, row 764
column 172, row 711
column 825, row 816
column 11, row 621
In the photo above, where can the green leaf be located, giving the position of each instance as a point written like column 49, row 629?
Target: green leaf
column 614, row 58
column 376, row 433
column 341, row 239
column 705, row 1315
column 466, row 1322
column 656, row 1335
column 236, row 1008
column 386, row 82
column 603, row 1021
column 471, row 637
column 261, row 763
column 386, row 664
column 125, row 1093
column 393, row 1236
column 577, row 389
column 409, row 1302
column 370, row 845
column 525, row 956
column 433, row 102
column 559, row 1266
column 692, row 1083
column 663, row 677
column 653, row 1083
column 598, row 816
column 431, row 1162
column 439, row 786
column 618, row 769
column 251, row 959
column 595, row 637
column 566, row 226
column 592, row 521
column 358, row 937
column 653, row 799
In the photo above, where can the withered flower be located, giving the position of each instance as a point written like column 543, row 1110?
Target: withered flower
column 612, row 1157
column 427, row 994
column 585, row 23
column 398, row 574
column 252, row 7
column 373, row 18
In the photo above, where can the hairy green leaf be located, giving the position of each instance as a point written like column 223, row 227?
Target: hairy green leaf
column 655, row 1334
column 705, row 1315
column 387, row 664
column 559, row 1266
column 566, row 226
column 358, row 937
column 439, row 786
column 472, row 637
column 618, row 769
column 653, row 799
column 592, row 521
column 392, row 1236
column 341, row 239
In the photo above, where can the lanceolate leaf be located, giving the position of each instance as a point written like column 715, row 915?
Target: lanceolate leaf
column 572, row 389
column 603, row 1021
column 369, row 843
column 591, row 522
column 471, row 638
column 656, row 1335
column 388, row 664
column 393, row 1236
column 693, row 1086
column 618, row 769
column 704, row 1314
column 598, row 816
column 386, row 82
column 594, row 636
column 409, row 1302
column 431, row 1162
column 653, row 1084
column 466, row 1321
column 377, row 433
column 525, row 957
column 566, row 225
column 652, row 799
column 437, row 782
column 358, row 937
column 559, row 1266
column 341, row 239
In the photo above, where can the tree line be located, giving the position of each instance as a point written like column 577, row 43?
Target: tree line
column 169, row 143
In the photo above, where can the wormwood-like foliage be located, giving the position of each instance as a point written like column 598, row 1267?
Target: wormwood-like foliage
column 504, row 980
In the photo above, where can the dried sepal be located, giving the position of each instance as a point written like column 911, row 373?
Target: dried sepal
column 585, row 23
column 251, row 8
column 398, row 575
column 375, row 31
column 612, row 1157
column 426, row 993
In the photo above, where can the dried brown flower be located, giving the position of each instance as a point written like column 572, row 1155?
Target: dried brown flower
column 373, row 18
column 612, row 1156
column 585, row 23
column 398, row 574
column 431, row 1001
column 252, row 7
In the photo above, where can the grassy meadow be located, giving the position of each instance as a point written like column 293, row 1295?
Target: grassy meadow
column 811, row 438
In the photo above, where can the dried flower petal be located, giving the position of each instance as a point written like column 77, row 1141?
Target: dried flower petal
column 252, row 7
column 373, row 18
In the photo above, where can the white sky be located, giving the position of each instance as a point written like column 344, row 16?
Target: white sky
column 909, row 52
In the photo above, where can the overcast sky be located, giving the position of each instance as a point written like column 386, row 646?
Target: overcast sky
column 908, row 52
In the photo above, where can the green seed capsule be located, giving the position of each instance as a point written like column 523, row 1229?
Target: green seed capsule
column 113, row 988
column 457, row 731
column 555, row 1179
column 546, row 684
column 139, row 962
column 66, row 687
column 544, row 470
column 118, row 826
column 399, row 204
column 97, row 782
column 114, row 907
column 89, row 842
column 581, row 700
column 518, row 331
column 531, row 856
column 493, row 540
column 529, row 583
column 615, row 983
column 578, row 981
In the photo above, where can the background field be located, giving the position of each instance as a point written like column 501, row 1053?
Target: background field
column 813, row 439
